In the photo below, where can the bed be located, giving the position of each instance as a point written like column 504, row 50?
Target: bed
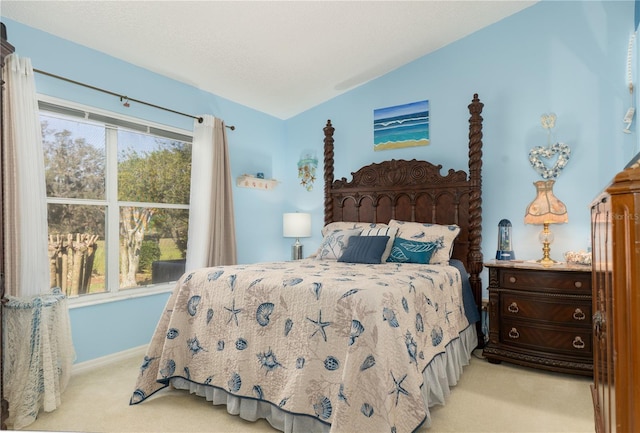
column 366, row 334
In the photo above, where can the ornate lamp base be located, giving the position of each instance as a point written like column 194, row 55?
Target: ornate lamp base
column 546, row 237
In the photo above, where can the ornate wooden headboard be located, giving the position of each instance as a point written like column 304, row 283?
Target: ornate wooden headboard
column 415, row 191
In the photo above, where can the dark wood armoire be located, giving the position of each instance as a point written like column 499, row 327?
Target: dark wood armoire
column 5, row 49
column 615, row 231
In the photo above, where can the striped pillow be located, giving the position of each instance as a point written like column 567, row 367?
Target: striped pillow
column 382, row 230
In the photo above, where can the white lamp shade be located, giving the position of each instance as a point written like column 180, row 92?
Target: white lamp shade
column 296, row 225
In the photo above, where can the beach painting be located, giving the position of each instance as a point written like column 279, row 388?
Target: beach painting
column 404, row 125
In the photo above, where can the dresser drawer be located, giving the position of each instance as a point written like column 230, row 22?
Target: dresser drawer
column 550, row 309
column 519, row 279
column 541, row 316
column 574, row 342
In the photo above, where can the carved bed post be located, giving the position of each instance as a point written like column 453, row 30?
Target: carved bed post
column 328, row 172
column 5, row 50
column 475, row 204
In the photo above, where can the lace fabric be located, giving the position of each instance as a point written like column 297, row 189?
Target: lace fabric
column 38, row 355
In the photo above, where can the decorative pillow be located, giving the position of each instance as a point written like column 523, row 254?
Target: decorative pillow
column 346, row 225
column 425, row 232
column 334, row 244
column 364, row 249
column 382, row 230
column 408, row 251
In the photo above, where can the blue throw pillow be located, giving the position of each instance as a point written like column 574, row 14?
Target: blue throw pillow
column 408, row 251
column 364, row 249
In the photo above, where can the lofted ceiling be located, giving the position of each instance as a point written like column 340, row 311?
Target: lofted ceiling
column 278, row 57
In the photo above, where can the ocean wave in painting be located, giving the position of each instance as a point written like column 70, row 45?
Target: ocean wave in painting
column 401, row 126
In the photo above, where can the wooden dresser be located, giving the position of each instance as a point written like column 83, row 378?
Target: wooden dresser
column 540, row 316
column 615, row 231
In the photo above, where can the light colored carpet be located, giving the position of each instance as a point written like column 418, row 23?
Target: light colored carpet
column 488, row 398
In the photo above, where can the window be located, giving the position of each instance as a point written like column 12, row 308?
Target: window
column 117, row 200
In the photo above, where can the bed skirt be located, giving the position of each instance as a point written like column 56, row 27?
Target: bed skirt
column 440, row 375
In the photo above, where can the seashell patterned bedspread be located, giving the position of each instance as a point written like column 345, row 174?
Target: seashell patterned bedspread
column 344, row 343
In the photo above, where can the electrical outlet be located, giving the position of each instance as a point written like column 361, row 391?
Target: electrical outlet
column 485, row 305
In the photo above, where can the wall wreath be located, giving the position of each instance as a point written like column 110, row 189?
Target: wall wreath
column 538, row 153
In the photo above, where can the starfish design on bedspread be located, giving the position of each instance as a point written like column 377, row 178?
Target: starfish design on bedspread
column 234, row 312
column 398, row 389
column 320, row 325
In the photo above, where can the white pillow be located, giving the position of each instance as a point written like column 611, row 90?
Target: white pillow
column 334, row 243
column 382, row 230
column 346, row 225
column 425, row 232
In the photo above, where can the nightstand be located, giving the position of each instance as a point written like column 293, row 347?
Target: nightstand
column 540, row 316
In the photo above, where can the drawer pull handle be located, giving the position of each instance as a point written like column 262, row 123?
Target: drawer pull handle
column 513, row 308
column 515, row 334
column 578, row 343
column 578, row 314
column 578, row 284
column 512, row 279
column 599, row 325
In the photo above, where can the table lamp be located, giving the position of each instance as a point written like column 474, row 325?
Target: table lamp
column 296, row 225
column 546, row 209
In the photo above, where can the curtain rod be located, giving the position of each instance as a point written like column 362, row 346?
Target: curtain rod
column 123, row 97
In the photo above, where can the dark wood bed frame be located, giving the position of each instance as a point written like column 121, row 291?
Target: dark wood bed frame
column 416, row 191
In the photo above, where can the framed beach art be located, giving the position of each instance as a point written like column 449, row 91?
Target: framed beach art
column 404, row 125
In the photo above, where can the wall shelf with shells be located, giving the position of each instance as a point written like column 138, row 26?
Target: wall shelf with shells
column 248, row 181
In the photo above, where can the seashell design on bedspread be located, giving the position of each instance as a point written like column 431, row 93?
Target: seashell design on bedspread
column 340, row 342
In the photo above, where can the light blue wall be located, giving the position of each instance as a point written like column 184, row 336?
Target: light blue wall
column 562, row 57
column 255, row 145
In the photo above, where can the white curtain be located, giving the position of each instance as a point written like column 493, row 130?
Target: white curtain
column 27, row 262
column 212, row 239
column 38, row 351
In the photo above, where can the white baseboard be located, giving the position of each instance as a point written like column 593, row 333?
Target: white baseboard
column 103, row 361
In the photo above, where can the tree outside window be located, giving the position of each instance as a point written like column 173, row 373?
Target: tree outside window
column 101, row 177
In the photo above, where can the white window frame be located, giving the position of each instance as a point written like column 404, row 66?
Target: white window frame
column 112, row 229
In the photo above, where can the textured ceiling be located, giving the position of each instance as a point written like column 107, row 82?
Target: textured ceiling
column 279, row 57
